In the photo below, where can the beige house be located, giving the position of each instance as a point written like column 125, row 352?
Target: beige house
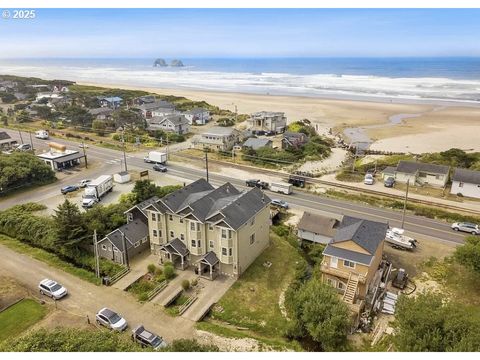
column 214, row 231
column 217, row 138
column 419, row 173
column 268, row 121
column 352, row 260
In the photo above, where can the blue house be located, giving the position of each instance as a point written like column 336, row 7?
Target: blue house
column 111, row 102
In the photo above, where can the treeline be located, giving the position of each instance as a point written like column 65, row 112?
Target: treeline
column 21, row 169
column 84, row 340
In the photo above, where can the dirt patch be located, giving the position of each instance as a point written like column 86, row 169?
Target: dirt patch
column 228, row 344
column 10, row 291
column 59, row 317
column 411, row 260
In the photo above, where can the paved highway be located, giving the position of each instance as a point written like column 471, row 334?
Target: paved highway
column 111, row 158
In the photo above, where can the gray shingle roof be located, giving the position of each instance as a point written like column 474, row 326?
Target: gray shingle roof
column 156, row 105
column 466, row 176
column 142, row 206
column 174, row 119
column 348, row 255
column 256, row 143
column 219, row 131
column 318, row 224
column 365, row 233
column 176, row 199
column 210, row 258
column 176, row 246
column 196, row 111
column 411, row 167
column 134, row 231
column 4, row 136
column 389, row 170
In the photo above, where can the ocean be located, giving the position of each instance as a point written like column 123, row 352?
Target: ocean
column 414, row 79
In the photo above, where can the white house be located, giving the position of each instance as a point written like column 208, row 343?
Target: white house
column 268, row 121
column 466, row 182
column 198, row 116
column 422, row 173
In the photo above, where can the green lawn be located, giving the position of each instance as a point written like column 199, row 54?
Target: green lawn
column 19, row 317
column 48, row 258
column 253, row 301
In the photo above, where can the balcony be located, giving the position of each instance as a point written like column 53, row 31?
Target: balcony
column 341, row 273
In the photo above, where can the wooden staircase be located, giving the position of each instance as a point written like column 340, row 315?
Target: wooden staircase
column 351, row 290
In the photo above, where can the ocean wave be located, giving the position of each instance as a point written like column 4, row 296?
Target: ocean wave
column 263, row 82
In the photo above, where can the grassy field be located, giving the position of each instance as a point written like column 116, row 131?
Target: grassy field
column 48, row 258
column 253, row 302
column 19, row 317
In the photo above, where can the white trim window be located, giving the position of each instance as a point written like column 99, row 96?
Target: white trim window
column 115, row 249
column 211, row 244
column 172, row 234
column 137, row 244
column 170, row 217
column 155, row 233
column 194, row 226
column 194, row 243
column 341, row 285
column 349, row 264
column 104, row 247
column 144, row 240
column 182, row 237
column 210, row 227
column 252, row 239
column 224, row 251
column 331, row 282
column 334, row 262
column 154, row 217
column 129, row 216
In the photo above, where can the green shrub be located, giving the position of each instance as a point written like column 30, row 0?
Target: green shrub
column 158, row 271
column 168, row 271
column 194, row 282
column 151, row 268
column 185, row 284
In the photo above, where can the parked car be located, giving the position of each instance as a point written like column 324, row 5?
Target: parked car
column 147, row 339
column 389, row 182
column 279, row 203
column 473, row 229
column 111, row 319
column 257, row 183
column 24, row 147
column 52, row 289
column 369, row 180
column 83, row 146
column 158, row 167
column 84, row 183
column 69, row 188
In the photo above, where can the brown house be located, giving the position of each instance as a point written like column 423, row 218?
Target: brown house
column 352, row 260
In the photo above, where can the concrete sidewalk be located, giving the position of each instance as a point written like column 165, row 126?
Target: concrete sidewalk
column 173, row 286
column 138, row 267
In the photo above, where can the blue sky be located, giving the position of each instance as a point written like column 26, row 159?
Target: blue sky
column 244, row 32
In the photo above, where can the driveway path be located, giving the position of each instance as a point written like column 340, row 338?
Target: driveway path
column 86, row 299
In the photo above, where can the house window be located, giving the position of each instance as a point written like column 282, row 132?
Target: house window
column 129, row 216
column 159, row 233
column 438, row 177
column 104, row 247
column 224, row 251
column 155, row 233
column 115, row 249
column 181, row 220
column 199, row 243
column 154, row 217
column 144, row 240
column 460, row 184
column 194, row 243
column 331, row 282
column 230, row 251
column 170, row 217
column 210, row 227
column 210, row 244
column 182, row 237
column 252, row 222
column 252, row 238
column 137, row 244
column 172, row 234
column 349, row 264
column 194, row 226
column 340, row 285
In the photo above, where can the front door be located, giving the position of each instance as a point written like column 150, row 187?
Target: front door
column 334, row 262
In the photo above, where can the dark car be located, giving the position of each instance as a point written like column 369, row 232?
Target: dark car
column 256, row 183
column 68, row 189
column 147, row 339
column 298, row 181
column 158, row 167
column 389, row 182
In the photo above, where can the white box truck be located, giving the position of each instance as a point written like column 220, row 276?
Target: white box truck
column 156, row 157
column 281, row 187
column 41, row 134
column 96, row 189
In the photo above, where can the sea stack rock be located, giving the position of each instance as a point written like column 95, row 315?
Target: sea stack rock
column 160, row 62
column 176, row 63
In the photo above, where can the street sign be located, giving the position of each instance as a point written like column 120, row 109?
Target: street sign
column 143, row 173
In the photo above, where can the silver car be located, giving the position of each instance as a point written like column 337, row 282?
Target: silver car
column 111, row 320
column 52, row 289
column 473, row 229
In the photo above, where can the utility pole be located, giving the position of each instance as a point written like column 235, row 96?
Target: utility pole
column 167, row 145
column 206, row 161
column 123, row 148
column 236, row 112
column 354, row 159
column 405, row 203
column 125, row 249
column 84, row 154
column 95, row 251
column 31, row 141
column 21, row 138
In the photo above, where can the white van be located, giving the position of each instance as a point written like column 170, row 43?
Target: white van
column 283, row 188
column 41, row 134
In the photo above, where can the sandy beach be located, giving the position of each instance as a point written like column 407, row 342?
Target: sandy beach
column 434, row 127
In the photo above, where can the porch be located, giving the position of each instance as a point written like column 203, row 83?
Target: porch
column 176, row 252
column 208, row 266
